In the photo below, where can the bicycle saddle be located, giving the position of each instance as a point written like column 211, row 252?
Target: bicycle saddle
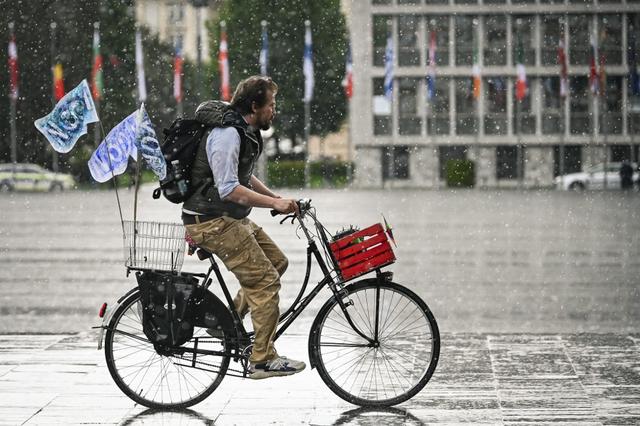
column 203, row 254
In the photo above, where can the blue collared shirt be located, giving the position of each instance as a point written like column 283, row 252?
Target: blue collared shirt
column 223, row 150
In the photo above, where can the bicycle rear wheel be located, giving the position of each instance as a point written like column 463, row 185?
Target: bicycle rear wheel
column 390, row 369
column 159, row 381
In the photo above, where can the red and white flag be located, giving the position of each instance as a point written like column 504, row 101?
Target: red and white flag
column 223, row 64
column 13, row 68
column 177, row 72
column 347, row 83
column 564, row 78
column 521, row 82
column 594, row 78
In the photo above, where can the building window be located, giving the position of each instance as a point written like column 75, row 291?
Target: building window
column 176, row 14
column 437, row 1
column 495, row 118
column 408, row 121
column 408, row 1
column 522, row 30
column 509, row 162
column 610, row 43
column 452, row 152
column 579, row 43
column 466, row 38
column 408, row 52
column 633, row 105
column 570, row 162
column 381, row 1
column 579, row 106
column 524, row 119
column 552, row 106
column 395, row 162
column 380, row 34
column 466, row 115
column 551, row 32
column 620, row 153
column 465, row 1
column 381, row 109
column 438, row 112
column 440, row 25
column 495, row 40
column 611, row 107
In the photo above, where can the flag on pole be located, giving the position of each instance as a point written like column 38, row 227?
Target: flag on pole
column 388, row 69
column 13, row 67
column 347, row 82
column 594, row 80
column 112, row 155
column 58, row 81
column 476, row 74
column 431, row 74
column 521, row 82
column 147, row 144
column 562, row 61
column 264, row 51
column 307, row 64
column 223, row 64
column 96, row 72
column 68, row 121
column 632, row 60
column 177, row 71
column 142, row 85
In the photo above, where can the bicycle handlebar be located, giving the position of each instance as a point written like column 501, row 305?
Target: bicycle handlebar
column 304, row 204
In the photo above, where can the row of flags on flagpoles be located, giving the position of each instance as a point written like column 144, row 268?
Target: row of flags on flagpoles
column 597, row 73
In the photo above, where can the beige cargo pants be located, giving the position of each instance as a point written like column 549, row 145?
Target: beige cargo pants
column 257, row 262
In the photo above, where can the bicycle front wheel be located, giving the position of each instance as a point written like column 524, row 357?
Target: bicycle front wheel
column 170, row 380
column 395, row 360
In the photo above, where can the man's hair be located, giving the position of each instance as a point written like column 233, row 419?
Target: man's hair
column 250, row 90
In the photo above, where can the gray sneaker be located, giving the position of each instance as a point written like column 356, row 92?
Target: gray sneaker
column 279, row 366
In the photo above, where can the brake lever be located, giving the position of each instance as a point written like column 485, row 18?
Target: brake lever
column 292, row 216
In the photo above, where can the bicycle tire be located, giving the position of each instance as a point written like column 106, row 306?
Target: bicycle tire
column 154, row 380
column 375, row 376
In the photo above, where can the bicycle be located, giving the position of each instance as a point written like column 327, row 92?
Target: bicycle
column 373, row 342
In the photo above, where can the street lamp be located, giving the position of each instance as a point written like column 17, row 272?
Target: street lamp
column 199, row 4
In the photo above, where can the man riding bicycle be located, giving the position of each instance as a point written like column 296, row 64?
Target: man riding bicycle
column 215, row 216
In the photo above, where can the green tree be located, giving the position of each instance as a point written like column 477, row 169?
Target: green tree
column 286, row 28
column 74, row 32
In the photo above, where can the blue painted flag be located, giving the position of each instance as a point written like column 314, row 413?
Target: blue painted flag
column 148, row 145
column 68, row 121
column 632, row 60
column 388, row 69
column 112, row 155
column 431, row 75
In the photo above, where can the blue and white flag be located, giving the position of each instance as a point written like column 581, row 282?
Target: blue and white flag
column 68, row 121
column 388, row 69
column 112, row 155
column 148, row 145
column 264, row 51
column 307, row 64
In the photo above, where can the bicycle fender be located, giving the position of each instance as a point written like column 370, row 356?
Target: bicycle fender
column 327, row 305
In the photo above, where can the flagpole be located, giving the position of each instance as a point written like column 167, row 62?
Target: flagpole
column 96, row 129
column 307, row 115
column 54, row 153
column 12, row 114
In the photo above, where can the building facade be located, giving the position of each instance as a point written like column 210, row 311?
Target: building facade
column 177, row 22
column 407, row 141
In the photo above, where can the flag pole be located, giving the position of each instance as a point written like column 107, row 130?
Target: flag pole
column 13, row 97
column 142, row 95
column 96, row 130
column 54, row 153
column 307, row 120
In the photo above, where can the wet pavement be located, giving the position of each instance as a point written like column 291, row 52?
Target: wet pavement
column 517, row 379
column 536, row 295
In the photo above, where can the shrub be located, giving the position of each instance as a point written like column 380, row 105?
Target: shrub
column 461, row 173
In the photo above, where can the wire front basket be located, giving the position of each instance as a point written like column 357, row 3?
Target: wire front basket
column 154, row 245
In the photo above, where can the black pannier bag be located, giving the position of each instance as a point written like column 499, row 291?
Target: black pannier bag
column 169, row 303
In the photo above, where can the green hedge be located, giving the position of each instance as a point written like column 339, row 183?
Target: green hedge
column 333, row 174
column 461, row 173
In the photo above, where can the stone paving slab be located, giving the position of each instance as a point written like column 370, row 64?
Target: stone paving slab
column 492, row 379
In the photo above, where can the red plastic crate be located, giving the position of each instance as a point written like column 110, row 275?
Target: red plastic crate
column 361, row 252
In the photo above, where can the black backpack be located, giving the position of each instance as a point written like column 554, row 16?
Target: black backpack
column 169, row 304
column 179, row 148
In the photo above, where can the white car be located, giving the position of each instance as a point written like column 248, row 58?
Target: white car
column 594, row 178
column 32, row 177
